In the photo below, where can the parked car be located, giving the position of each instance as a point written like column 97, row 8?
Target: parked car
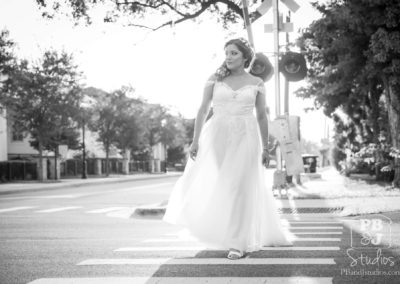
column 310, row 163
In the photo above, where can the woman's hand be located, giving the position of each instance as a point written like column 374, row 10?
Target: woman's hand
column 265, row 158
column 193, row 150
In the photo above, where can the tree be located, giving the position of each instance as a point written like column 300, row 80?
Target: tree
column 152, row 118
column 173, row 131
column 159, row 13
column 353, row 51
column 8, row 61
column 117, row 119
column 44, row 99
column 130, row 131
column 103, row 119
column 173, row 137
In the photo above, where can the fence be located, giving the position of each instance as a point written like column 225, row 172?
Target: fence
column 17, row 170
column 26, row 170
column 139, row 166
column 73, row 167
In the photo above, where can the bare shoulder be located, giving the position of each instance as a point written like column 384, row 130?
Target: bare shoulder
column 212, row 78
column 254, row 80
column 210, row 81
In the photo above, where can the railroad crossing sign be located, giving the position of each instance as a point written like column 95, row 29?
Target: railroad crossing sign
column 282, row 27
column 267, row 4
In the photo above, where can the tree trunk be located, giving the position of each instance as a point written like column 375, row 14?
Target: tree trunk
column 107, row 161
column 151, row 160
column 392, row 94
column 374, row 96
column 40, row 166
column 55, row 162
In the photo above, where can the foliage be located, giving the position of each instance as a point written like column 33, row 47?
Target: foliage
column 42, row 99
column 147, row 14
column 8, row 60
column 103, row 117
column 353, row 52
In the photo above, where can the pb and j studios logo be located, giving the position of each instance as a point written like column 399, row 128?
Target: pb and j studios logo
column 369, row 240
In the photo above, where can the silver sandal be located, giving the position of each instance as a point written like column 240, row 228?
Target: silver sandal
column 235, row 254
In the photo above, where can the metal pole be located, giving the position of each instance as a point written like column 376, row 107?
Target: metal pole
column 286, row 107
column 276, row 53
column 84, row 176
column 276, row 74
column 247, row 22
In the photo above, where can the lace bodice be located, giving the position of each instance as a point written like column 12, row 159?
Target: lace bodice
column 227, row 101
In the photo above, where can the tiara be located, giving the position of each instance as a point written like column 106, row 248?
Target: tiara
column 245, row 42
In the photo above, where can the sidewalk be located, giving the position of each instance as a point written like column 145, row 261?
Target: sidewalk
column 331, row 195
column 31, row 186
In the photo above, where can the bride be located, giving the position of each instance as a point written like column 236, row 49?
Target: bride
column 222, row 198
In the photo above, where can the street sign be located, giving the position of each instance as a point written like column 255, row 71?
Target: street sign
column 267, row 4
column 264, row 7
column 282, row 27
column 291, row 4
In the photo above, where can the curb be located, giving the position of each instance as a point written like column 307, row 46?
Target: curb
column 81, row 184
column 158, row 210
column 335, row 213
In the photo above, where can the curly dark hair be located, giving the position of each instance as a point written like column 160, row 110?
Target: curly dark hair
column 244, row 47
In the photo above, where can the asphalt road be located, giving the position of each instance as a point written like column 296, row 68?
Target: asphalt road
column 85, row 235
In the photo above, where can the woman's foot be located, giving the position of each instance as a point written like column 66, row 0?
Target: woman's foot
column 235, row 254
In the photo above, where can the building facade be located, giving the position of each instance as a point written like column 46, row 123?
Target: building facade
column 3, row 135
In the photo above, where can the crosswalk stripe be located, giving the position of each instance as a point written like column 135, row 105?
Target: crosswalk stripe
column 105, row 210
column 167, row 240
column 15, row 209
column 317, row 240
column 193, row 240
column 199, row 248
column 58, row 209
column 313, row 228
column 318, row 233
column 186, row 280
column 316, row 222
column 207, row 261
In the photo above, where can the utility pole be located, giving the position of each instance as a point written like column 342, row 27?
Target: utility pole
column 286, row 107
column 275, row 30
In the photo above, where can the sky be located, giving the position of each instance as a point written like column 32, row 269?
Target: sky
column 169, row 66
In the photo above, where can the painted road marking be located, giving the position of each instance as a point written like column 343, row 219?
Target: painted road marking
column 208, row 261
column 192, row 240
column 199, row 248
column 317, row 227
column 105, row 210
column 318, row 233
column 58, row 209
column 316, row 222
column 186, row 280
column 317, row 240
column 14, row 209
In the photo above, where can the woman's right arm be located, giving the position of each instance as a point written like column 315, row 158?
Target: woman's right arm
column 201, row 116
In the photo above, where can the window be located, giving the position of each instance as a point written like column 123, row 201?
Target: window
column 17, row 134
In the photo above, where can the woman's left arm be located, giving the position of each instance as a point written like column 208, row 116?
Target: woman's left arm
column 261, row 109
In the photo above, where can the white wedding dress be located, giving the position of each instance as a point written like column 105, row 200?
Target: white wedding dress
column 222, row 197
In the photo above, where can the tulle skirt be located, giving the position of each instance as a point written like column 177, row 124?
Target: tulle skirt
column 222, row 197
